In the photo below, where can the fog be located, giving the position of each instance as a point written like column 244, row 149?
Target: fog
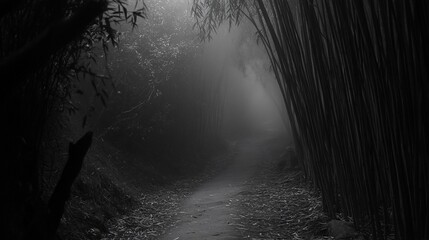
column 231, row 67
column 253, row 103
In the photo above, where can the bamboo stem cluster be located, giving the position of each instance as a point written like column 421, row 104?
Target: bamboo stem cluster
column 353, row 74
column 199, row 105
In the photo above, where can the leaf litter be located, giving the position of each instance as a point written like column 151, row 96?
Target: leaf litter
column 277, row 205
column 158, row 209
column 280, row 205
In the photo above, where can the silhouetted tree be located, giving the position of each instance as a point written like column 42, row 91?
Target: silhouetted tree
column 40, row 52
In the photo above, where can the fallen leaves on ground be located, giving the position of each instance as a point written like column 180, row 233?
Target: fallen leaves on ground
column 279, row 205
column 158, row 209
column 155, row 213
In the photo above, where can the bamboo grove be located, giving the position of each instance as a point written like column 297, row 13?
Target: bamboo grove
column 354, row 80
column 208, row 96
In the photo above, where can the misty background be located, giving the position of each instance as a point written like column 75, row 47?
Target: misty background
column 164, row 102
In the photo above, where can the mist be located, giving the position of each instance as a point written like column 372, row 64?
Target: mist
column 240, row 68
column 178, row 105
column 214, row 119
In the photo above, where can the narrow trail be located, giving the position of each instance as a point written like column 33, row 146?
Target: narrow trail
column 208, row 213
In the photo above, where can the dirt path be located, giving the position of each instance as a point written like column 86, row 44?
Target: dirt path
column 209, row 212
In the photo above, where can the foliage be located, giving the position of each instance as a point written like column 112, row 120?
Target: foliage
column 152, row 75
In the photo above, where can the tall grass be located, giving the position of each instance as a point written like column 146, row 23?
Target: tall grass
column 354, row 79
